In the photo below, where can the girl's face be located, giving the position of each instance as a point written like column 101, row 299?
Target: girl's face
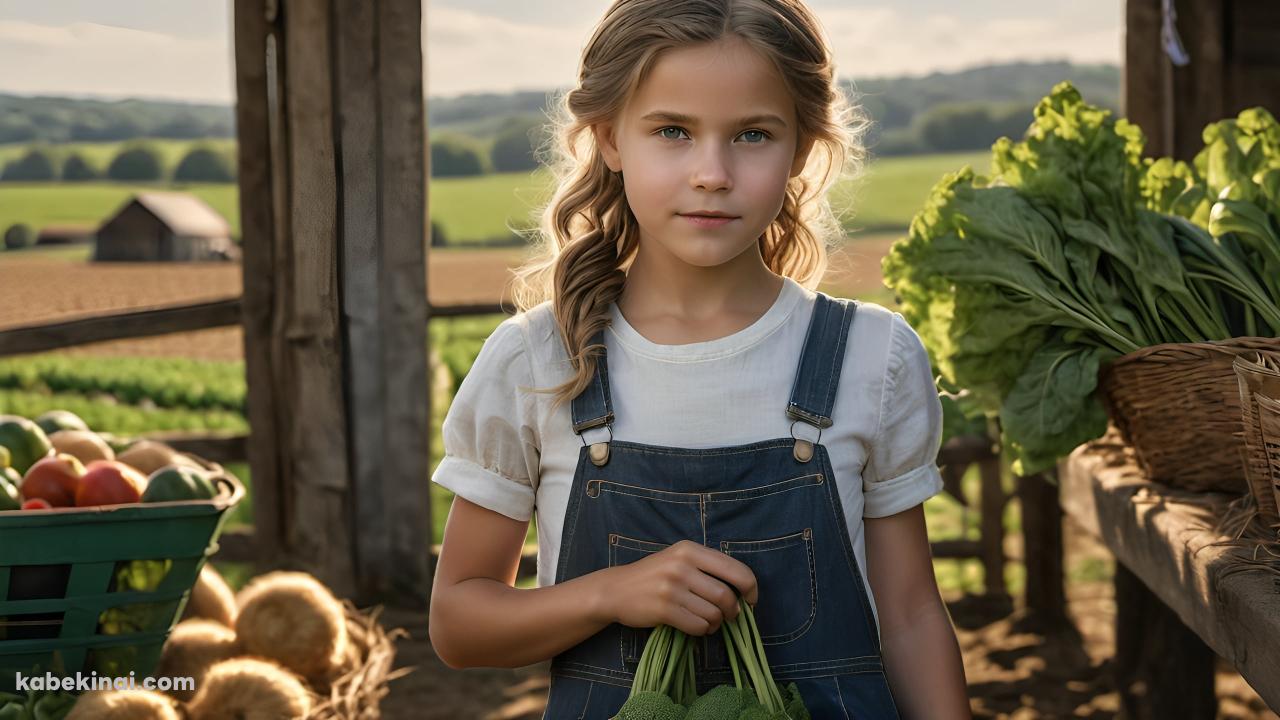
column 711, row 129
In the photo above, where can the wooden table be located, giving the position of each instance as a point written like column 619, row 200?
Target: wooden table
column 1163, row 536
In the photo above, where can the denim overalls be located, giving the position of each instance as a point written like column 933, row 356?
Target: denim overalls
column 772, row 505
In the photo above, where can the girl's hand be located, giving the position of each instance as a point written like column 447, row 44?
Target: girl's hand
column 687, row 586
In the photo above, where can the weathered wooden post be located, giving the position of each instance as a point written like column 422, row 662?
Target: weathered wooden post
column 333, row 208
column 1229, row 61
column 1042, row 548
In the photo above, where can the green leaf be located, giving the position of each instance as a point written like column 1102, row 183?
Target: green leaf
column 1052, row 407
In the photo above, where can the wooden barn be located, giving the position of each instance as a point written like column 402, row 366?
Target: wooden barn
column 165, row 227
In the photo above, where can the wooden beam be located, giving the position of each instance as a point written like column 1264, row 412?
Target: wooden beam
column 992, row 504
column 1199, row 88
column 443, row 311
column 1144, row 76
column 379, row 108
column 315, row 441
column 1042, row 539
column 1162, row 669
column 965, row 450
column 956, row 549
column 405, row 573
column 262, row 179
column 241, row 545
column 1164, row 536
column 120, row 326
column 221, row 448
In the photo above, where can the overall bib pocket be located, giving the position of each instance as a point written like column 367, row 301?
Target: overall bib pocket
column 784, row 569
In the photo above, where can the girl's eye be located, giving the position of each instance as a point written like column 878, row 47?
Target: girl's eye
column 763, row 135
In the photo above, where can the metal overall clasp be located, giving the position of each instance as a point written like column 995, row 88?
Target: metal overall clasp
column 803, row 449
column 599, row 451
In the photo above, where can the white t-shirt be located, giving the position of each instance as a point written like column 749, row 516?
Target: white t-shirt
column 505, row 449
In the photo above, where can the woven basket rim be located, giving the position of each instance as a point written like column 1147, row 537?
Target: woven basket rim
column 1249, row 342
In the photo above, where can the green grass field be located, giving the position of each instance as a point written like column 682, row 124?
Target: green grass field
column 480, row 208
column 90, row 203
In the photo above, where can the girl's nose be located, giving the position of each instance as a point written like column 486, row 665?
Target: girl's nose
column 711, row 170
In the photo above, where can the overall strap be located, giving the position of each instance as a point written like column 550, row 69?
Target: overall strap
column 593, row 407
column 813, row 393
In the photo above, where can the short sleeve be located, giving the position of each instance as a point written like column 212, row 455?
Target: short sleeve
column 901, row 471
column 491, row 445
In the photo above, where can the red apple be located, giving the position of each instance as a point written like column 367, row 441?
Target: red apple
column 54, row 478
column 108, row 482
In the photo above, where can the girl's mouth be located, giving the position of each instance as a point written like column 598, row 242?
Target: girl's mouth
column 707, row 221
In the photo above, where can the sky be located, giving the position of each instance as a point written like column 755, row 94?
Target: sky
column 181, row 49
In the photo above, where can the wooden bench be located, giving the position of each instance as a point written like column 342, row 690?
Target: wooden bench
column 1174, row 606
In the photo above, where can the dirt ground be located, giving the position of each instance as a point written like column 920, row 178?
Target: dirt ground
column 1015, row 669
column 39, row 289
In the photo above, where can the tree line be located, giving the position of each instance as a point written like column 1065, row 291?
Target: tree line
column 137, row 162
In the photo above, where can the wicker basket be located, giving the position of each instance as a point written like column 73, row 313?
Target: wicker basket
column 1258, row 376
column 1178, row 406
column 59, row 570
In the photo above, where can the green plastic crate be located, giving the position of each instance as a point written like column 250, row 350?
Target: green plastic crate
column 59, row 570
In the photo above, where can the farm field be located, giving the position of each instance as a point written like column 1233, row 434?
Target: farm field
column 475, row 209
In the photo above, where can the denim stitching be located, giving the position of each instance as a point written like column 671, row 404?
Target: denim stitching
column 643, row 449
column 590, row 686
column 645, row 494
column 837, row 358
column 813, row 315
column 837, row 511
column 754, row 494
column 861, row 662
column 571, row 518
column 637, row 544
column 889, row 691
column 717, row 496
column 840, row 696
column 628, row 637
column 585, row 671
column 809, row 356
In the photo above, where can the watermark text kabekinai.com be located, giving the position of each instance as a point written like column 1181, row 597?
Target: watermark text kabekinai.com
column 81, row 682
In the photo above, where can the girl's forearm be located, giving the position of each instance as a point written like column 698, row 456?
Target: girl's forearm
column 481, row 622
column 925, row 669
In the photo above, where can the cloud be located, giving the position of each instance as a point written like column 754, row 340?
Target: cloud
column 97, row 59
column 470, row 52
column 880, row 41
column 475, row 50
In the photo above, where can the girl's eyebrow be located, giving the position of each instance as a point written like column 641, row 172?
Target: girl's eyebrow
column 670, row 116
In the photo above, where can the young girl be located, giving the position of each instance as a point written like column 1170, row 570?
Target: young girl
column 687, row 417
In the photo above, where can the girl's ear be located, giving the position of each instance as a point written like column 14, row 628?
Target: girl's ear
column 605, row 140
column 802, row 157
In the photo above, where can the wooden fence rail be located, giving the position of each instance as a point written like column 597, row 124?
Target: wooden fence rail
column 43, row 337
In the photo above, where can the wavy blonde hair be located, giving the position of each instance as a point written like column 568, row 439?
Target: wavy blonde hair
column 587, row 235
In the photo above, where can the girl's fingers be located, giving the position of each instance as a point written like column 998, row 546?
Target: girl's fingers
column 717, row 593
column 689, row 622
column 732, row 572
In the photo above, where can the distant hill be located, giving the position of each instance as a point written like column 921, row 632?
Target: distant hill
column 902, row 109
column 25, row 119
